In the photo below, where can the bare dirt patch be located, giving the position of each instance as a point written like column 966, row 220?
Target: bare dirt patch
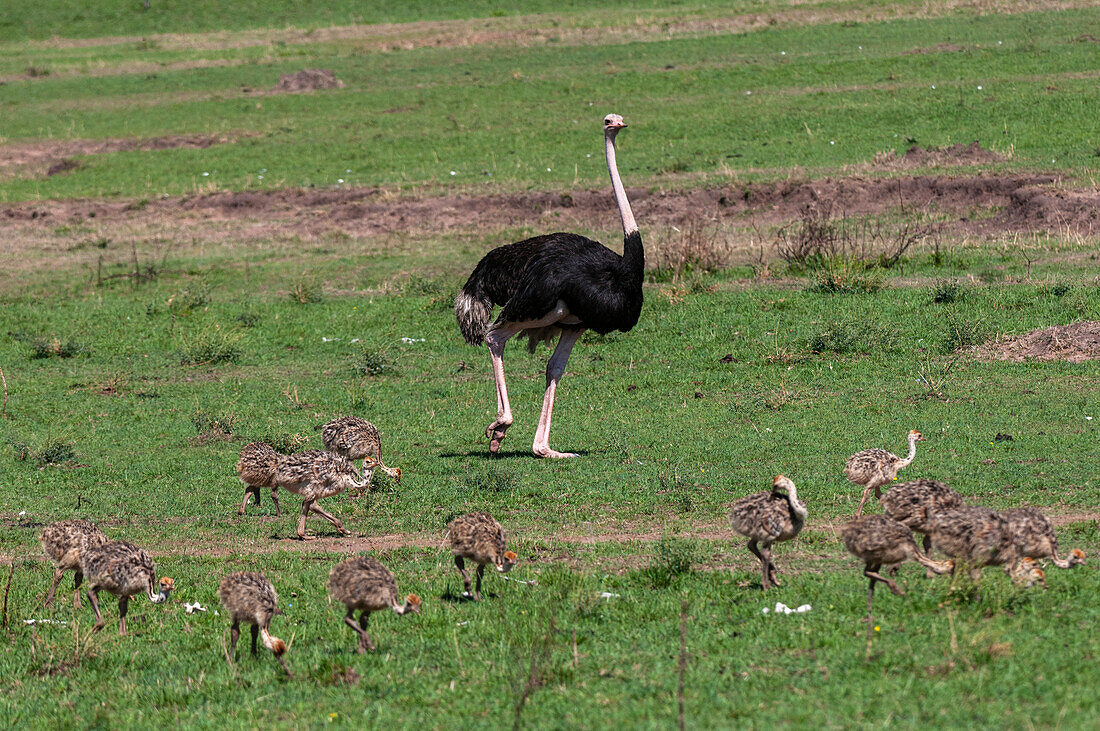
column 938, row 48
column 309, row 80
column 50, row 157
column 958, row 155
column 1071, row 343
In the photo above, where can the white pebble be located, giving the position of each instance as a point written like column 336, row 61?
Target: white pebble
column 453, row 173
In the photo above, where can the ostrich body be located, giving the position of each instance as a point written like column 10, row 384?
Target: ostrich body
column 62, row 542
column 915, row 503
column 364, row 584
column 478, row 537
column 355, row 438
column 874, row 468
column 766, row 518
column 249, row 597
column 558, row 284
column 315, row 474
column 1035, row 537
column 878, row 540
column 256, row 469
column 124, row 570
column 979, row 537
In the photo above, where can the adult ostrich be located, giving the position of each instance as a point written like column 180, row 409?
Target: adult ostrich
column 558, row 284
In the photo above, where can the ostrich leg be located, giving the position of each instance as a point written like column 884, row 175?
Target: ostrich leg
column 497, row 338
column 763, row 564
column 863, row 500
column 57, row 576
column 330, row 518
column 555, row 368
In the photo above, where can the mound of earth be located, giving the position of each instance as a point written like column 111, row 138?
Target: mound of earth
column 308, row 80
column 960, row 154
column 1071, row 343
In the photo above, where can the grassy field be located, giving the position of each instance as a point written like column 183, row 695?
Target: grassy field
column 151, row 328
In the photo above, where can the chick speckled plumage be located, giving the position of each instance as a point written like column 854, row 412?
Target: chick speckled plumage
column 62, row 542
column 480, row 538
column 363, row 584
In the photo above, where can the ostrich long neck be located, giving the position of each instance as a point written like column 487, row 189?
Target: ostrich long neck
column 797, row 508
column 909, row 457
column 633, row 254
column 401, row 608
column 1062, row 563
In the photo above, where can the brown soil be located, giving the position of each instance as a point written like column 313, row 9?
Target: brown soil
column 50, row 157
column 309, row 80
column 938, row 48
column 1072, row 343
column 960, row 154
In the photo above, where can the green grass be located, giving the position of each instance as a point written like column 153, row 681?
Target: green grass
column 409, row 119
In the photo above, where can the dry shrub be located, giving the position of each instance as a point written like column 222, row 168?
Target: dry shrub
column 697, row 246
column 818, row 238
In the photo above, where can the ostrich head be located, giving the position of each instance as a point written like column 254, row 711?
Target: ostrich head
column 782, row 483
column 915, row 436
column 164, row 588
column 272, row 642
column 1076, row 556
column 612, row 123
column 1028, row 573
column 412, row 604
column 505, row 564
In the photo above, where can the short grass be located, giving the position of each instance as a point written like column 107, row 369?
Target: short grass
column 815, row 97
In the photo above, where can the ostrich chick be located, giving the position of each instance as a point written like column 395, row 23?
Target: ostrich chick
column 481, row 539
column 249, row 597
column 1036, row 538
column 874, row 468
column 363, row 583
column 355, row 438
column 915, row 503
column 978, row 537
column 62, row 542
column 124, row 570
column 767, row 518
column 256, row 469
column 315, row 474
column 878, row 540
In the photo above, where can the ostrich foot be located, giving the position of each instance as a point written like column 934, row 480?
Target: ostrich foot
column 548, row 453
column 304, row 537
column 98, row 626
column 495, row 433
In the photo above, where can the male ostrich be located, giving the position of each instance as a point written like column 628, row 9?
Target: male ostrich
column 355, row 438
column 256, row 469
column 559, row 283
column 363, row 583
column 1035, row 537
column 977, row 536
column 480, row 538
column 766, row 518
column 874, row 468
column 248, row 596
column 315, row 474
column 62, row 542
column 878, row 540
column 915, row 503
column 124, row 570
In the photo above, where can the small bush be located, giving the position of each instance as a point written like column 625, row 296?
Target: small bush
column 694, row 247
column 51, row 347
column 1057, row 289
column 284, row 442
column 306, row 293
column 210, row 346
column 206, row 422
column 183, row 303
column 846, row 276
column 947, row 291
column 55, row 451
column 849, row 337
column 371, row 362
column 961, row 333
column 248, row 319
column 672, row 559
